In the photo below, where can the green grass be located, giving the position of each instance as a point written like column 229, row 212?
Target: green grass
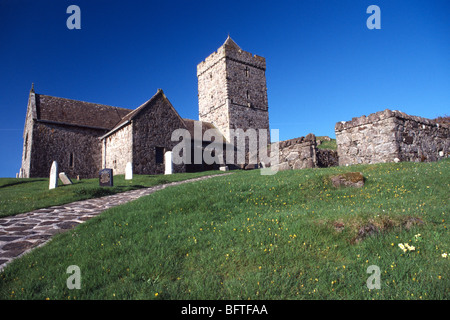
column 327, row 144
column 24, row 195
column 246, row 236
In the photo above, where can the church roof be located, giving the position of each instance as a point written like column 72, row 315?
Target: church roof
column 97, row 116
column 133, row 113
column 78, row 113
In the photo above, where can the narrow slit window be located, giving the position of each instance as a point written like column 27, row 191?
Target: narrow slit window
column 247, row 73
column 71, row 160
column 26, row 145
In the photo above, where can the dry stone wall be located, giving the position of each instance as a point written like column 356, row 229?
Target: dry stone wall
column 388, row 136
column 299, row 153
column 327, row 158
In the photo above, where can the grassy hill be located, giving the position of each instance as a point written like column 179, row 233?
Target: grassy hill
column 24, row 195
column 246, row 236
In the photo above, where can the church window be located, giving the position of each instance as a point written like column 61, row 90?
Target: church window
column 159, row 154
column 248, row 95
column 71, row 160
column 247, row 73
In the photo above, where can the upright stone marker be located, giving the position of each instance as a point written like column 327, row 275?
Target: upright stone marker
column 64, row 178
column 53, row 183
column 168, row 162
column 105, row 177
column 129, row 171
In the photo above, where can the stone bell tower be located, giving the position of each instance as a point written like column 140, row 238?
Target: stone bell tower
column 232, row 90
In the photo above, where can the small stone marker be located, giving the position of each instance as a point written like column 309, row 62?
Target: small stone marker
column 168, row 162
column 17, row 175
column 349, row 179
column 224, row 168
column 64, row 178
column 105, row 177
column 53, row 183
column 129, row 171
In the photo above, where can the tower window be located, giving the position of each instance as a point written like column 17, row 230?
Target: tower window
column 247, row 73
column 248, row 95
column 159, row 154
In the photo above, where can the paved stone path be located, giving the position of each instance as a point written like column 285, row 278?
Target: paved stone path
column 21, row 233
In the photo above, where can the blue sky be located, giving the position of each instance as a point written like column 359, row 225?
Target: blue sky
column 323, row 64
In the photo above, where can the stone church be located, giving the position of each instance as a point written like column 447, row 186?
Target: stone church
column 85, row 137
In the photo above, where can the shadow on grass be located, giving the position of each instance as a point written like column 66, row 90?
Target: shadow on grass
column 16, row 181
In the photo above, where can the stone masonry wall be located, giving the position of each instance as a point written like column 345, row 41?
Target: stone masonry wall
column 212, row 91
column 299, row 153
column 153, row 128
column 118, row 149
column 76, row 150
column 232, row 90
column 28, row 138
column 388, row 136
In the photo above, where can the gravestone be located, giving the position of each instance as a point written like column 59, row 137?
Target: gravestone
column 129, row 171
column 53, row 183
column 64, row 178
column 105, row 178
column 168, row 162
column 224, row 168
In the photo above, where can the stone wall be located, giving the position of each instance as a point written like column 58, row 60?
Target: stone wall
column 327, row 158
column 299, row 153
column 28, row 138
column 152, row 129
column 118, row 149
column 388, row 136
column 76, row 150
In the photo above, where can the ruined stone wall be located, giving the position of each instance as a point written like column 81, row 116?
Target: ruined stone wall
column 118, row 149
column 299, row 153
column 153, row 128
column 327, row 158
column 76, row 150
column 421, row 139
column 388, row 136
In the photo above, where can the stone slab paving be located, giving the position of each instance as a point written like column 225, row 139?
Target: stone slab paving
column 21, row 233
